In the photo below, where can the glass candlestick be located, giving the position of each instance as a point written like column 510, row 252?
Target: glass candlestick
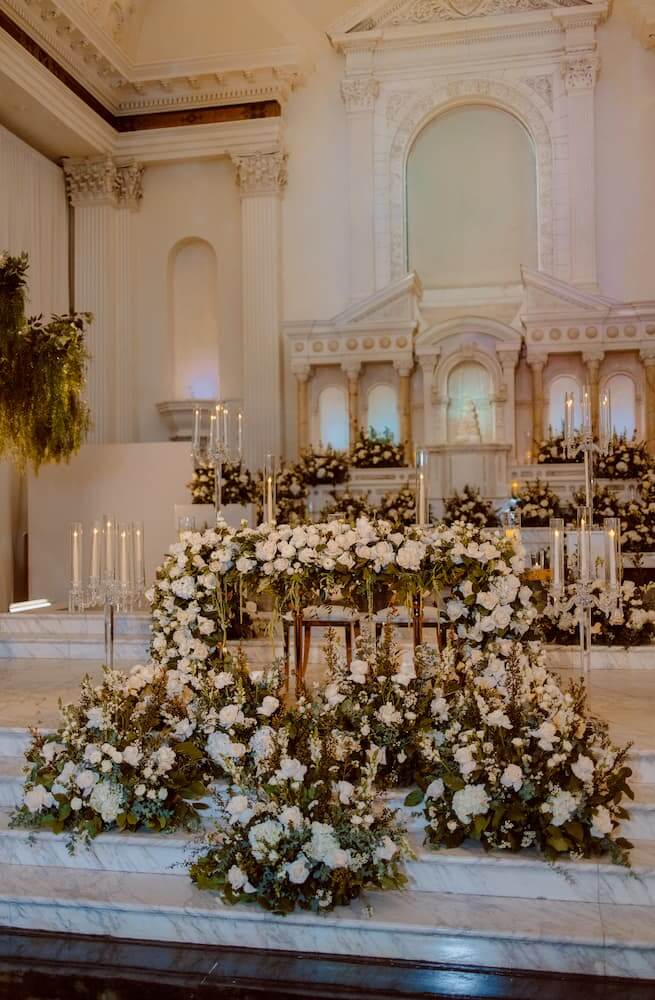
column 605, row 420
column 421, row 472
column 96, row 566
column 125, row 566
column 510, row 521
column 584, row 544
column 557, row 571
column 139, row 563
column 75, row 593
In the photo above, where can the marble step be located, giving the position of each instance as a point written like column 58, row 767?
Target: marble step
column 50, row 624
column 127, row 649
column 586, row 938
column 467, row 870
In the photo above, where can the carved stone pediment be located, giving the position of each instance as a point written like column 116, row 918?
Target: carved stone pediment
column 398, row 13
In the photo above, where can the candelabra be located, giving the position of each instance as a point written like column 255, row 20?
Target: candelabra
column 587, row 591
column 218, row 447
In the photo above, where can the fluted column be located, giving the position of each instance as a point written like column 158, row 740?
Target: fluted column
column 592, row 362
column 508, row 362
column 579, row 70
column 104, row 196
column 359, row 95
column 404, row 369
column 537, row 369
column 648, row 361
column 302, row 383
column 352, row 371
column 262, row 178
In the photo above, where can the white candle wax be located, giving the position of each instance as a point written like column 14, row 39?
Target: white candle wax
column 421, row 499
column 95, row 552
column 109, row 548
column 124, row 564
column 225, row 417
column 240, row 434
column 76, row 561
column 557, row 559
column 614, row 579
column 196, row 429
column 212, row 432
column 584, row 550
column 269, row 498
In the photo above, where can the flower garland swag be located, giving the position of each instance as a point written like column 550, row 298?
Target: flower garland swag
column 469, row 507
column 238, row 485
column 139, row 750
column 373, row 450
column 43, row 417
column 516, row 761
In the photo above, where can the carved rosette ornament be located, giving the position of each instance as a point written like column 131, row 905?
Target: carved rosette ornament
column 102, row 181
column 261, row 173
column 580, row 73
column 360, row 93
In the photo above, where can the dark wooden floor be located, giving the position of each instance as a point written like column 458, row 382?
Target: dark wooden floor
column 38, row 966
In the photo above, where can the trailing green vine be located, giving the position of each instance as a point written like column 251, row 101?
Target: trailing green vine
column 43, row 417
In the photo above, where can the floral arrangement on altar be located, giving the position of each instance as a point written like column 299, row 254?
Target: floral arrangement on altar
column 324, row 467
column 375, row 706
column 373, row 450
column 553, row 451
column 290, row 493
column 237, row 484
column 605, row 503
column 399, row 508
column 537, row 503
column 470, row 508
column 515, row 761
column 626, row 459
column 636, row 629
column 347, row 506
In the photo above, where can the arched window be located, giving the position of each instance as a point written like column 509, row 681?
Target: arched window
column 472, row 199
column 623, row 403
column 333, row 417
column 556, row 396
column 469, row 405
column 383, row 410
column 194, row 317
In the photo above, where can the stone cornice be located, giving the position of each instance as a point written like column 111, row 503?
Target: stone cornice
column 69, row 35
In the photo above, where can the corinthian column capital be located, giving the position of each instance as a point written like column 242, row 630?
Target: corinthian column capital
column 261, row 173
column 580, row 72
column 102, row 181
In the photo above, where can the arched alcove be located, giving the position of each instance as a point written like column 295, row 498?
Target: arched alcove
column 623, row 403
column 382, row 409
column 193, row 297
column 472, row 199
column 470, row 417
column 556, row 396
column 333, row 417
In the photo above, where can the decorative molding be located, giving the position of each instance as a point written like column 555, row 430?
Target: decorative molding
column 261, row 173
column 427, row 11
column 435, row 99
column 101, row 181
column 542, row 86
column 71, row 38
column 360, row 93
column 580, row 73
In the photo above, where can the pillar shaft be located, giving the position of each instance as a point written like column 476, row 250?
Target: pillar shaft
column 537, row 368
column 649, row 371
column 302, row 384
column 405, row 411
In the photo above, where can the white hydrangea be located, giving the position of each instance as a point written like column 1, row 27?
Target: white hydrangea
column 470, row 801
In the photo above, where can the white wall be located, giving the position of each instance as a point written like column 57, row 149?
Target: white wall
column 34, row 218
column 134, row 482
column 184, row 201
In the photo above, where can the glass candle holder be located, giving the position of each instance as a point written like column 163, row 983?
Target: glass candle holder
column 605, row 422
column 421, row 472
column 138, row 540
column 510, row 522
column 585, row 412
column 269, row 487
column 109, row 547
column 569, row 432
column 612, row 533
column 584, row 544
column 96, row 564
column 185, row 523
column 557, row 571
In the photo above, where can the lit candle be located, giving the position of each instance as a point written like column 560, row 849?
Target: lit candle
column 612, row 550
column 421, row 487
column 269, row 489
column 139, row 556
column 225, row 424
column 240, row 434
column 76, row 555
column 96, row 540
column 515, row 489
column 110, row 565
column 123, row 557
column 196, row 428
column 212, row 433
column 269, row 497
column 557, row 552
column 586, row 411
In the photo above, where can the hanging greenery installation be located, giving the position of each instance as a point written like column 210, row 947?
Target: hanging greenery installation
column 43, row 417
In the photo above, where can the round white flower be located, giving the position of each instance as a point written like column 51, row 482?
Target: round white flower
column 38, row 798
column 268, row 706
column 470, row 801
column 602, row 823
column 435, row 789
column 583, row 768
column 512, row 777
column 298, row 871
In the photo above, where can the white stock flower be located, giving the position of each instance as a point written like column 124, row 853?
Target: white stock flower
column 95, row 718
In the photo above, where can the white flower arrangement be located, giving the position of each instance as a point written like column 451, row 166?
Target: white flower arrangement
column 373, row 450
column 375, row 706
column 515, row 761
column 324, row 467
column 553, row 450
column 237, row 484
column 636, row 629
column 626, row 459
column 399, row 508
column 297, row 835
column 537, row 503
column 347, row 506
column 469, row 507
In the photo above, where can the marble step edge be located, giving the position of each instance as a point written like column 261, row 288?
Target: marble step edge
column 592, row 938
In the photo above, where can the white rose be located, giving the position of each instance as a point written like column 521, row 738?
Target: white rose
column 512, row 777
column 345, row 792
column 38, row 798
column 583, row 768
column 268, row 706
column 602, row 823
column 386, row 850
column 297, row 871
column 230, row 715
column 435, row 789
